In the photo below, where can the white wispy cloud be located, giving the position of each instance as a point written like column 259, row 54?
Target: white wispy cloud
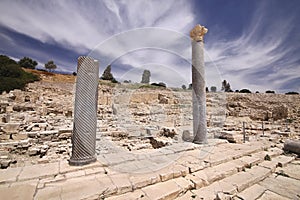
column 259, row 59
column 95, row 26
column 85, row 24
column 120, row 30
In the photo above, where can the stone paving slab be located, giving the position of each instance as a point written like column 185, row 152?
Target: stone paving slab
column 206, row 193
column 185, row 177
column 39, row 171
column 78, row 188
column 163, row 190
column 187, row 196
column 250, row 161
column 51, row 193
column 292, row 170
column 183, row 183
column 252, row 193
column 142, row 180
column 18, row 192
column 269, row 195
column 284, row 186
column 9, row 175
column 197, row 181
column 122, row 182
column 272, row 164
column 259, row 173
column 283, row 160
column 137, row 195
column 241, row 180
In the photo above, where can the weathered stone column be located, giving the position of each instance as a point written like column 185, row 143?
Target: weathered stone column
column 85, row 112
column 198, row 83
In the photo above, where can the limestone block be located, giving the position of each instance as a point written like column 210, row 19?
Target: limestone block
column 252, row 193
column 164, row 190
column 25, row 191
column 11, row 127
column 20, row 136
column 33, row 151
column 39, row 171
column 122, row 182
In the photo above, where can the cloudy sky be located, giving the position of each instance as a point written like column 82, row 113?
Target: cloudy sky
column 251, row 43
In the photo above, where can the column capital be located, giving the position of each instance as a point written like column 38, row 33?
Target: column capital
column 198, row 32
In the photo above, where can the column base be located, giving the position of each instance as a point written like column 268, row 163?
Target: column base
column 78, row 162
column 200, row 142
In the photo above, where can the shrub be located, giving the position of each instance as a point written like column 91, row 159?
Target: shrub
column 159, row 84
column 245, row 91
column 270, row 92
column 292, row 93
column 12, row 76
column 28, row 63
column 50, row 66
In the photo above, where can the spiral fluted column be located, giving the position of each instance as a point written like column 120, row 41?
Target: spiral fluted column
column 85, row 112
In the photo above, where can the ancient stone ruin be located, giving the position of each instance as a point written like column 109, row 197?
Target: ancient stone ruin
column 85, row 112
column 141, row 138
column 198, row 83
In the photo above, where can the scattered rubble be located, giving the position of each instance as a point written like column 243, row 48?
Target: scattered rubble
column 36, row 124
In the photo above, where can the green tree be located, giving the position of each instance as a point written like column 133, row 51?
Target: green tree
column 270, row 92
column 107, row 75
column 28, row 63
column 50, row 66
column 146, row 76
column 183, row 87
column 245, row 91
column 292, row 93
column 5, row 60
column 12, row 76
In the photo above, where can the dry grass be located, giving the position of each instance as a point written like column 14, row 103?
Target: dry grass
column 52, row 77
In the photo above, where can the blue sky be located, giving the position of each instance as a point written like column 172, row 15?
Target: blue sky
column 253, row 44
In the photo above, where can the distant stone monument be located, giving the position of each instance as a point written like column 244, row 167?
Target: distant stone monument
column 85, row 112
column 198, row 84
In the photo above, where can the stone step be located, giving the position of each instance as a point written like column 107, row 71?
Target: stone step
column 285, row 179
column 223, row 179
column 209, row 184
column 198, row 167
column 195, row 176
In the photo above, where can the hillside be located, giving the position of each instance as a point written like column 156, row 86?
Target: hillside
column 52, row 77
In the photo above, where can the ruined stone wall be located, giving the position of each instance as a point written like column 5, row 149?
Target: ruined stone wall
column 263, row 107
